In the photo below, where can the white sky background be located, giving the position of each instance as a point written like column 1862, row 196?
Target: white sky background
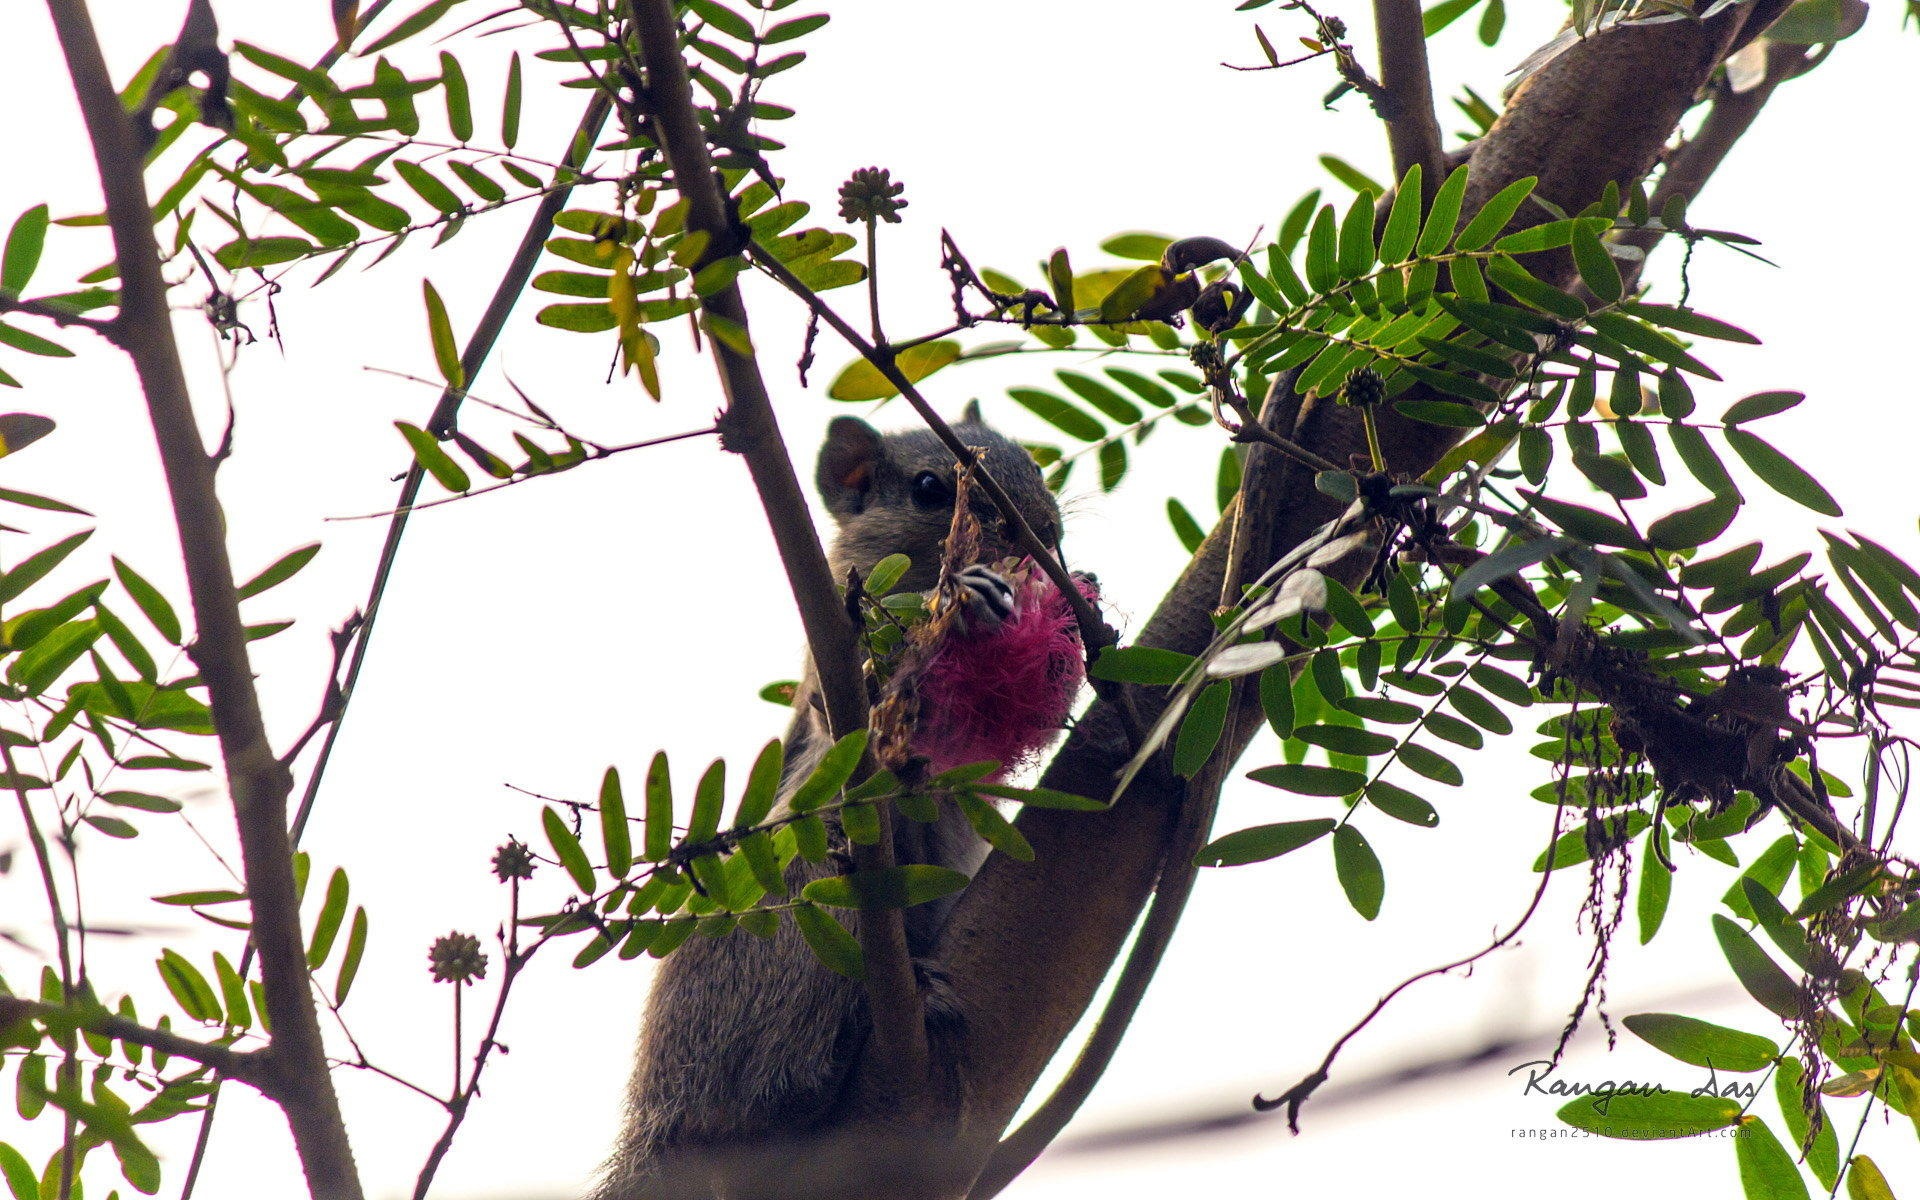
column 533, row 637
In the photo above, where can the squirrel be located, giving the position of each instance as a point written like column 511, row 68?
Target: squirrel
column 746, row 1041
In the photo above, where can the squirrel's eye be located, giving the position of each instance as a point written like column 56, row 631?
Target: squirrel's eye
column 931, row 491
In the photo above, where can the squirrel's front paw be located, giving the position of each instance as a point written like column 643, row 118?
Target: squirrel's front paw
column 987, row 599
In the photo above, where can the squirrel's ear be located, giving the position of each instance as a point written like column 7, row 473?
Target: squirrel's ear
column 848, row 460
column 970, row 415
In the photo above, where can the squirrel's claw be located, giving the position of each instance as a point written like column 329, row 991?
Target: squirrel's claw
column 986, row 599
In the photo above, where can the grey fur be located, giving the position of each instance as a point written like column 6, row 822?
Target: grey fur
column 746, row 1041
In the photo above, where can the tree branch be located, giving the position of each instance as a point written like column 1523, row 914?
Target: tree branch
column 58, row 315
column 244, row 1065
column 1406, row 100
column 1029, row 943
column 749, row 428
column 1263, row 486
column 298, row 1075
column 1732, row 114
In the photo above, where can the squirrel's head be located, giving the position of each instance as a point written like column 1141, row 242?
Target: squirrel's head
column 892, row 493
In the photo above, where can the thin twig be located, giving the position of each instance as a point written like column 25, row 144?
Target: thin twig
column 594, row 454
column 244, row 1065
column 299, row 1080
column 58, row 315
column 1094, row 631
column 1297, row 1095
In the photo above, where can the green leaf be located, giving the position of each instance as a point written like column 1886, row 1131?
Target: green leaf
column 1184, row 526
column 1789, row 1084
column 1323, row 253
column 1110, row 403
column 1042, row 797
column 1761, row 404
column 861, row 380
column 659, row 826
column 830, row 941
column 453, row 84
column 437, row 462
column 1610, row 475
column 19, row 1174
column 410, row 25
column 763, row 786
column 1597, row 268
column 1200, row 729
column 1310, row 780
column 836, row 767
column 1350, row 175
column 1584, row 523
column 113, row 827
column 1759, row 974
column 1694, row 526
column 1403, row 219
column 1643, row 1118
column 567, row 848
column 1443, row 412
column 1140, row 664
column 1401, row 804
column 1656, row 889
column 787, row 31
column 1865, row 1180
column 22, row 255
column 1781, row 473
column 1356, row 237
column 510, row 104
column 35, row 566
column 350, row 958
column 891, row 887
column 1508, row 560
column 1444, row 214
column 994, row 828
column 188, row 987
column 152, row 604
column 1517, row 280
column 1358, row 869
column 722, row 18
column 1444, row 14
column 1648, row 341
column 445, row 353
column 1688, row 321
column 282, row 570
column 143, row 801
column 1425, row 762
column 709, row 797
column 1142, row 247
column 1262, row 842
column 261, row 252
column 1276, row 699
column 1480, row 710
column 1493, row 215
column 1345, row 739
column 578, row 318
column 1814, row 22
column 615, row 837
column 1702, row 1043
column 233, row 991
column 1702, row 462
column 1767, row 1171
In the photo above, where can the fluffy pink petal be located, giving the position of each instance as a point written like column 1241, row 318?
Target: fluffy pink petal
column 1004, row 695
